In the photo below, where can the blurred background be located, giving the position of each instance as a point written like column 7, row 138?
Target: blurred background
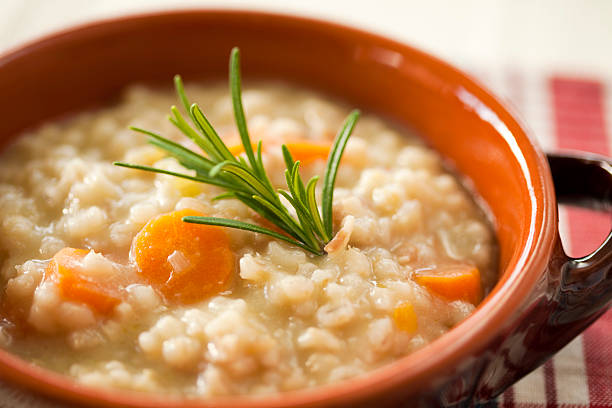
column 569, row 35
column 550, row 60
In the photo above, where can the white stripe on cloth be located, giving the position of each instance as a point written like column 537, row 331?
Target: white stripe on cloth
column 531, row 389
column 536, row 110
column 571, row 375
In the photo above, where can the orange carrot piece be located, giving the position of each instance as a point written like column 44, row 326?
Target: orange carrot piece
column 456, row 283
column 75, row 286
column 185, row 262
column 239, row 148
column 306, row 151
column 405, row 318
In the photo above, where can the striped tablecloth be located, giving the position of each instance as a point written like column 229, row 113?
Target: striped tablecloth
column 567, row 113
column 563, row 113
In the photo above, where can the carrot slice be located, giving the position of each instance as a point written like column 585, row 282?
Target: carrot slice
column 405, row 318
column 185, row 262
column 65, row 270
column 306, row 151
column 239, row 148
column 457, row 283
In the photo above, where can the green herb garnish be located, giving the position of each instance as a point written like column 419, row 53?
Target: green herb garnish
column 246, row 180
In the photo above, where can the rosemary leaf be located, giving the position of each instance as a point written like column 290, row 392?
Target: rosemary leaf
column 225, row 222
column 206, row 128
column 180, row 91
column 287, row 157
column 235, row 89
column 186, row 157
column 188, row 131
column 311, row 202
column 200, row 179
column 331, row 171
column 283, row 215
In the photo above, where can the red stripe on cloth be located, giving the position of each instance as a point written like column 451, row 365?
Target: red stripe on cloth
column 509, row 398
column 579, row 116
column 550, row 386
column 580, row 125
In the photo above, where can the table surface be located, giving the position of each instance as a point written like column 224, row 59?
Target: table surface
column 536, row 55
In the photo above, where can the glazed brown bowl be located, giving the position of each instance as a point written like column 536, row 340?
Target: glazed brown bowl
column 543, row 298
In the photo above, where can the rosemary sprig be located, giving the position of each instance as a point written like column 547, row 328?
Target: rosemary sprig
column 247, row 180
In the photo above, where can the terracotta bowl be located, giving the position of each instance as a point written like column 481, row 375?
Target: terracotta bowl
column 543, row 298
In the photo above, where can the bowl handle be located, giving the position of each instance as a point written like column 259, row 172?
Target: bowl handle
column 575, row 291
column 586, row 282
